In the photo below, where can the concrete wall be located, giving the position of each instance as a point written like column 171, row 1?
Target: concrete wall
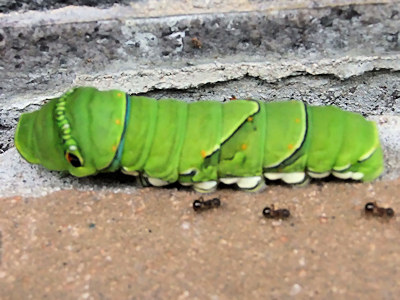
column 345, row 53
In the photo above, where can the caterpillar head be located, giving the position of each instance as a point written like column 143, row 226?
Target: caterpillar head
column 79, row 132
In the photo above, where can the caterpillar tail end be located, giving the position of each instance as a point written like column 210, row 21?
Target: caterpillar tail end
column 373, row 166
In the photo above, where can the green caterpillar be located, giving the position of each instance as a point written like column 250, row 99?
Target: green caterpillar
column 87, row 131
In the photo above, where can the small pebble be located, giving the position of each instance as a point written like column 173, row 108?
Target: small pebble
column 296, row 288
column 185, row 225
column 302, row 261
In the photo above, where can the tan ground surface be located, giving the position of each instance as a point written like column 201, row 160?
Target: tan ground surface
column 152, row 245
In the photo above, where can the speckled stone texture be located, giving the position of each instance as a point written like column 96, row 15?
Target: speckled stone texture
column 10, row 6
column 42, row 55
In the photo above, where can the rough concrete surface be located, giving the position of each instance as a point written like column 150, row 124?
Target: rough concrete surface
column 43, row 56
column 25, row 5
column 104, row 237
column 152, row 245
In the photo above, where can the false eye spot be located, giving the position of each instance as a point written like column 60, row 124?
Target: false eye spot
column 73, row 160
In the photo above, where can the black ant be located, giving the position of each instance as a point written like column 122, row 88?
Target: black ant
column 272, row 213
column 372, row 209
column 201, row 204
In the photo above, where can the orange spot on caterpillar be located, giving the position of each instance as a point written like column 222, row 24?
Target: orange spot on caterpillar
column 250, row 119
column 114, row 148
column 118, row 121
column 297, row 120
column 244, row 146
column 119, row 94
column 290, row 146
column 203, row 153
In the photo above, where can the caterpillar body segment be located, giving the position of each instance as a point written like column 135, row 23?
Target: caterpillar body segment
column 87, row 131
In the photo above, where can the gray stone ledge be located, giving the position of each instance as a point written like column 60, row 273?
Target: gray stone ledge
column 79, row 11
column 193, row 76
column 42, row 60
column 189, row 77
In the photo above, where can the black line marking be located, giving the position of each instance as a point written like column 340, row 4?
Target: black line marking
column 144, row 181
column 341, row 171
column 236, row 130
column 304, row 137
column 368, row 157
column 233, row 133
column 292, row 158
column 118, row 152
column 305, row 179
column 320, row 173
column 191, row 173
column 208, row 157
column 244, row 122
